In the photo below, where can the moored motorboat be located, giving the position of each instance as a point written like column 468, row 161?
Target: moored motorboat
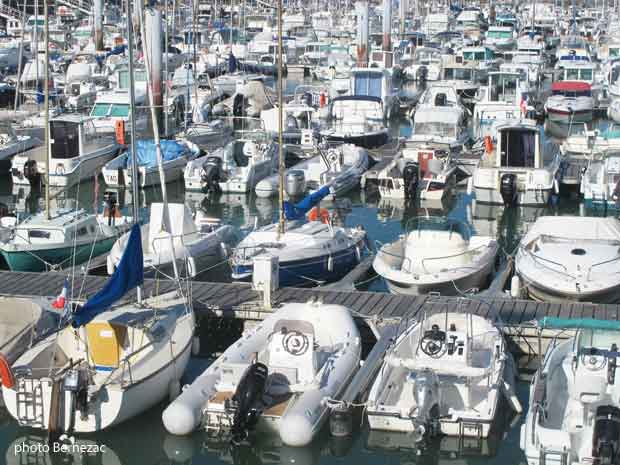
column 438, row 256
column 278, row 377
column 571, row 258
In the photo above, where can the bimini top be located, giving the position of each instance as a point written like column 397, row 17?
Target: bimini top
column 570, row 86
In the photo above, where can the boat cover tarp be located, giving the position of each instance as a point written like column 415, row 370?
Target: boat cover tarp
column 550, row 322
column 299, row 210
column 147, row 152
column 128, row 275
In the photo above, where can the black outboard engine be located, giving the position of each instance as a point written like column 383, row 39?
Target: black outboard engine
column 211, row 174
column 249, row 391
column 606, row 437
column 422, row 73
column 441, row 100
column 110, row 203
column 411, row 179
column 238, row 105
column 307, row 99
column 508, row 189
column 31, row 173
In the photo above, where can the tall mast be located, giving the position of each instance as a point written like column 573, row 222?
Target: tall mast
column 280, row 116
column 132, row 129
column 46, row 108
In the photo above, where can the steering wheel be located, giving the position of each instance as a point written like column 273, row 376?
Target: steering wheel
column 295, row 343
column 433, row 343
column 593, row 361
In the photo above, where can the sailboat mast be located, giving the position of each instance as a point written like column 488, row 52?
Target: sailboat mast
column 46, row 108
column 132, row 129
column 147, row 42
column 280, row 128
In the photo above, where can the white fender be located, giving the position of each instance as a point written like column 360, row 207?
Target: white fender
column 330, row 263
column 515, row 287
column 110, row 265
column 195, row 346
column 191, row 267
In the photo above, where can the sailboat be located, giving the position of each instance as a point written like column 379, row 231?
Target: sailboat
column 309, row 252
column 111, row 362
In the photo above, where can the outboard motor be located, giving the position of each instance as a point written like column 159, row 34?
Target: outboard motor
column 426, row 395
column 441, row 100
column 422, row 73
column 307, row 98
column 110, row 203
column 508, row 189
column 249, row 391
column 211, row 174
column 295, row 183
column 238, row 105
column 411, row 179
column 606, row 437
column 31, row 173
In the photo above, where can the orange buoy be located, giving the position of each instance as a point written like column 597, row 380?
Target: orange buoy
column 317, row 214
column 119, row 131
column 322, row 100
column 8, row 380
column 488, row 144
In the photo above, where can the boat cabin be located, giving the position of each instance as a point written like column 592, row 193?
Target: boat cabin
column 476, row 54
column 373, row 82
column 518, row 146
column 576, row 72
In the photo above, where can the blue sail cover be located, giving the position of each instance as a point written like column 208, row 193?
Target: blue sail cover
column 578, row 323
column 147, row 152
column 128, row 274
column 299, row 210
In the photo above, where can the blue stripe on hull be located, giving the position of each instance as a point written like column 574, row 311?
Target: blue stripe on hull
column 308, row 271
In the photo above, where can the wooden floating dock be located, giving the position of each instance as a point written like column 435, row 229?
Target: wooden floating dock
column 238, row 300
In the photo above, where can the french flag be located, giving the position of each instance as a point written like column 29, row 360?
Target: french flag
column 523, row 105
column 61, row 300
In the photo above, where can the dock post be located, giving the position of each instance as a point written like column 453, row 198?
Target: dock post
column 265, row 277
column 98, row 14
column 387, row 33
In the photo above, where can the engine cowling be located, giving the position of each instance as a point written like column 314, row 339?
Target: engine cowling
column 246, row 398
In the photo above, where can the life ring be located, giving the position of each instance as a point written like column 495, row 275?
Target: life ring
column 488, row 144
column 8, row 380
column 317, row 214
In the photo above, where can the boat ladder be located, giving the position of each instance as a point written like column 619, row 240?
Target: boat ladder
column 29, row 402
column 469, row 427
column 561, row 456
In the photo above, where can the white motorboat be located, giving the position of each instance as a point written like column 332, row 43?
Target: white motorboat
column 571, row 101
column 571, row 258
column 109, row 365
column 339, row 168
column 444, row 374
column 501, row 37
column 426, row 66
column 76, row 151
column 278, row 377
column 442, row 257
column 12, row 144
column 574, row 412
column 199, row 243
column 357, row 120
column 175, row 154
column 519, row 166
column 600, row 183
column 238, row 167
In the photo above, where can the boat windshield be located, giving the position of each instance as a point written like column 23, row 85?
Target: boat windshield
column 100, row 110
column 435, row 129
column 436, row 223
column 458, row 74
column 499, row 34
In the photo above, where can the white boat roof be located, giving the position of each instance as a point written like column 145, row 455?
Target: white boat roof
column 446, row 115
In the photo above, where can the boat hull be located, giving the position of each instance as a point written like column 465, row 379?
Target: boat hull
column 530, row 197
column 367, row 141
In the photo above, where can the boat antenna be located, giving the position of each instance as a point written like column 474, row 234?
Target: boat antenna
column 281, row 224
column 132, row 129
column 46, row 107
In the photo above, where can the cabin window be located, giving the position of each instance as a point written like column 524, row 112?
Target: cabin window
column 82, row 231
column 100, row 110
column 435, row 129
column 368, row 84
column 457, row 74
column 119, row 110
column 66, row 137
column 38, row 234
column 518, row 148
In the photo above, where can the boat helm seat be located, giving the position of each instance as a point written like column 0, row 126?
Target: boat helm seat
column 290, row 353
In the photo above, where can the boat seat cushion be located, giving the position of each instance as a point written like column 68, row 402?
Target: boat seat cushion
column 105, row 344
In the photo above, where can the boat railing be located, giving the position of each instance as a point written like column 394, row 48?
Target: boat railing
column 605, row 262
column 464, row 252
column 538, row 257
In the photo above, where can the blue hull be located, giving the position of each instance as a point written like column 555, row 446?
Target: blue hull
column 310, row 271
